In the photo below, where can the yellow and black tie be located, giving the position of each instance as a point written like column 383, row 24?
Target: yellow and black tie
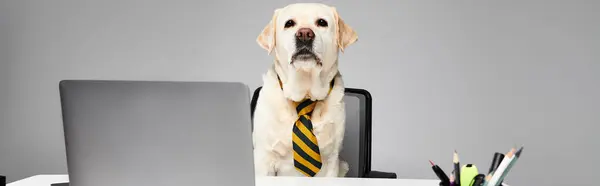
column 307, row 158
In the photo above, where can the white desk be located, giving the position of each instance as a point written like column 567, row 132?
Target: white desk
column 46, row 180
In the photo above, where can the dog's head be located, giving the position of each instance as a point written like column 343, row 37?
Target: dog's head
column 306, row 35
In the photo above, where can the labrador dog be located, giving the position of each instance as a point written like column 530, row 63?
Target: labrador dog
column 305, row 40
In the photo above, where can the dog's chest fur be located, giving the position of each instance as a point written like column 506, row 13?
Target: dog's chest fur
column 274, row 119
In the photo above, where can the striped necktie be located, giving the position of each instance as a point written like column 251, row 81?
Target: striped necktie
column 307, row 156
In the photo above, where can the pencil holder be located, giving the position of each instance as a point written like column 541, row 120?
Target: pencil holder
column 442, row 184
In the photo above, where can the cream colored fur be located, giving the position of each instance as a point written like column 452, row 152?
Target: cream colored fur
column 275, row 114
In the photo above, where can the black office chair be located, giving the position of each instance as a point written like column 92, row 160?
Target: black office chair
column 357, row 140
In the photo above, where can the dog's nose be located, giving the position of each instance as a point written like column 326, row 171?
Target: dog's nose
column 305, row 34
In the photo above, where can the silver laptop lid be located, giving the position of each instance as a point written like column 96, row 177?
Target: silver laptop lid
column 141, row 133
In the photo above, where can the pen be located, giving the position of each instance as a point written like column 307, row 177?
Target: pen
column 456, row 168
column 496, row 161
column 440, row 173
column 508, row 158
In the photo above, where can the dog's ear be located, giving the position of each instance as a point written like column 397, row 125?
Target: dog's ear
column 266, row 39
column 345, row 35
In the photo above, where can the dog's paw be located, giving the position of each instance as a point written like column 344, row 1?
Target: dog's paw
column 264, row 163
column 344, row 168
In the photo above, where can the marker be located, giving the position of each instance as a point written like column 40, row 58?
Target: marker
column 440, row 173
column 478, row 180
column 496, row 162
column 468, row 173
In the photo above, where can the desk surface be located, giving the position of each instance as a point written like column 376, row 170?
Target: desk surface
column 45, row 180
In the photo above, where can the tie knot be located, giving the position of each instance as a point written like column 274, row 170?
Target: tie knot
column 305, row 107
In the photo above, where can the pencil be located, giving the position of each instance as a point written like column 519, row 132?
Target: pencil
column 487, row 179
column 508, row 158
column 452, row 179
column 456, row 168
column 510, row 165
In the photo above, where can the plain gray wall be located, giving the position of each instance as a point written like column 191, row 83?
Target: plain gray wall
column 476, row 76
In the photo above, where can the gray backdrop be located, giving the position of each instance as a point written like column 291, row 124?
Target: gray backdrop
column 476, row 76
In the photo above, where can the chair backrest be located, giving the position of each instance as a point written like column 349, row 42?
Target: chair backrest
column 356, row 149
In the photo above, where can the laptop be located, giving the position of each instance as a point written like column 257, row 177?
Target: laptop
column 133, row 133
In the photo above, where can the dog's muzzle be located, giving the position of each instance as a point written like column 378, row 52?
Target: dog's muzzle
column 304, row 45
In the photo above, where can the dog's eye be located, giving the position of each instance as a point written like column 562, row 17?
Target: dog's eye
column 290, row 23
column 322, row 23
